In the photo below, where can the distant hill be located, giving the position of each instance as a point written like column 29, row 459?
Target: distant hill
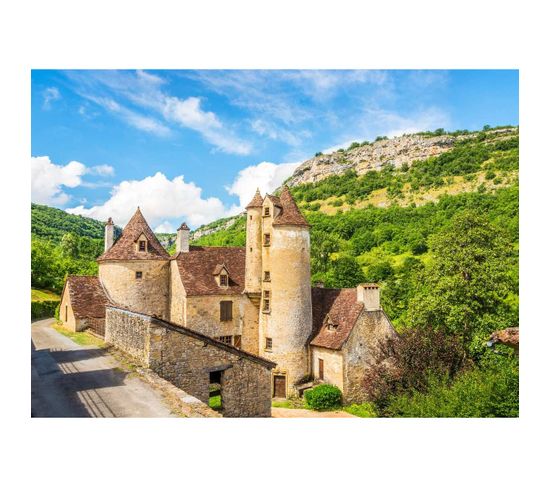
column 53, row 223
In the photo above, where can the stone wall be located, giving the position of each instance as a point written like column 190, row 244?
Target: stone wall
column 186, row 358
column 361, row 350
column 332, row 366
column 148, row 295
column 177, row 295
column 66, row 314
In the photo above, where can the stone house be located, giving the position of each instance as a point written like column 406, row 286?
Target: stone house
column 257, row 299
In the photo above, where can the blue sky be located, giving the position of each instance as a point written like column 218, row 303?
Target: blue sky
column 194, row 145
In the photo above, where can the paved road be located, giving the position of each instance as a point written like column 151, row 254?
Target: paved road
column 69, row 380
column 290, row 413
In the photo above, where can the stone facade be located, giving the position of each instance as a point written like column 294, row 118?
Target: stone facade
column 148, row 294
column 66, row 314
column 333, row 366
column 371, row 330
column 187, row 359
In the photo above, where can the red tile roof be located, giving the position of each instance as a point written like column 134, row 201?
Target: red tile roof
column 343, row 309
column 125, row 246
column 88, row 298
column 197, row 266
column 290, row 213
column 257, row 201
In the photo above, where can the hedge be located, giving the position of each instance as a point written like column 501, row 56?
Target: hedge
column 323, row 397
column 40, row 310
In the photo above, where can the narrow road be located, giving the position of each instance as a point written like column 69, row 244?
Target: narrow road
column 302, row 413
column 69, row 380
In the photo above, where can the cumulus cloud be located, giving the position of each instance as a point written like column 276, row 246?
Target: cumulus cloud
column 50, row 95
column 160, row 200
column 102, row 170
column 165, row 228
column 265, row 176
column 48, row 180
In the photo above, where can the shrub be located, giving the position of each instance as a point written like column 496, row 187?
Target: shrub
column 317, row 154
column 365, row 410
column 490, row 175
column 40, row 310
column 324, row 397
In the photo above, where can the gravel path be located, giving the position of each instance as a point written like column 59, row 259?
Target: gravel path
column 289, row 413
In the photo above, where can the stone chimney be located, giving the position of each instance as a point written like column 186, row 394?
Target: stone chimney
column 182, row 239
column 369, row 295
column 109, row 234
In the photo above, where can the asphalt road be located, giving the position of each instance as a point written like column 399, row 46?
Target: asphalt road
column 69, row 380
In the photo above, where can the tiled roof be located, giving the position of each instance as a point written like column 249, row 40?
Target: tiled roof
column 290, row 213
column 257, row 201
column 343, row 309
column 88, row 299
column 125, row 246
column 275, row 199
column 196, row 269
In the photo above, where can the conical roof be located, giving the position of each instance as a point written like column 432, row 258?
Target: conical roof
column 290, row 213
column 125, row 247
column 257, row 201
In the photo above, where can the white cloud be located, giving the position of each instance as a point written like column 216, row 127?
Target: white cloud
column 145, row 90
column 50, row 95
column 101, row 170
column 48, row 180
column 160, row 200
column 265, row 176
column 165, row 228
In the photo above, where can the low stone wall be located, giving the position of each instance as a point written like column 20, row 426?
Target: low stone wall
column 187, row 358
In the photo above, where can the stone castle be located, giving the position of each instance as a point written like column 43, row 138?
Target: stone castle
column 255, row 301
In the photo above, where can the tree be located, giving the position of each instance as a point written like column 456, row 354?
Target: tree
column 467, row 282
column 70, row 244
column 345, row 272
column 323, row 245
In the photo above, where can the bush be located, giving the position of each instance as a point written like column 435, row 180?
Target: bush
column 40, row 310
column 365, row 410
column 324, row 397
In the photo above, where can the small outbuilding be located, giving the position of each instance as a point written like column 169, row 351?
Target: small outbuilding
column 83, row 303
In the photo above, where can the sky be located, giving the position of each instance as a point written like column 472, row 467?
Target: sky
column 193, row 146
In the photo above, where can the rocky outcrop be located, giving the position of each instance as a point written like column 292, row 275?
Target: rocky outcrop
column 373, row 156
column 211, row 229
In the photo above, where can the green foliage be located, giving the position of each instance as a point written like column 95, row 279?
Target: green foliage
column 43, row 295
column 467, row 282
column 481, row 392
column 344, row 272
column 323, row 397
column 318, row 154
column 44, row 309
column 215, row 402
column 365, row 410
column 234, row 235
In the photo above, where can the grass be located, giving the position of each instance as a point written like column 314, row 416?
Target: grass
column 215, row 402
column 43, row 295
column 289, row 403
column 81, row 338
column 365, row 410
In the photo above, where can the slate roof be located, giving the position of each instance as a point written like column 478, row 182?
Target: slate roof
column 290, row 213
column 197, row 269
column 88, row 298
column 125, row 246
column 343, row 309
column 257, row 201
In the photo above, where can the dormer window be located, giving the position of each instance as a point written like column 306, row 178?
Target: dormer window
column 267, row 212
column 223, row 280
column 330, row 324
column 142, row 246
column 221, row 276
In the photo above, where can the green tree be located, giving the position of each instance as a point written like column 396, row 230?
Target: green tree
column 345, row 272
column 467, row 282
column 70, row 244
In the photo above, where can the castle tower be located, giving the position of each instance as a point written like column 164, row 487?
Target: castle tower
column 135, row 270
column 253, row 266
column 285, row 313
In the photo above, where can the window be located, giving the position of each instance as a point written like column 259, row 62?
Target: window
column 223, row 280
column 226, row 311
column 66, row 313
column 225, row 339
column 267, row 300
column 267, row 276
column 251, row 217
column 142, row 246
column 268, row 343
column 267, row 239
column 237, row 341
column 321, row 369
column 266, row 212
column 139, row 275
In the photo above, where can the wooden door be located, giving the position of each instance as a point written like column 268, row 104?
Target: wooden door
column 321, row 369
column 279, row 386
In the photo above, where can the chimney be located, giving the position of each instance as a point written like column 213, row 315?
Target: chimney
column 182, row 239
column 109, row 234
column 369, row 295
